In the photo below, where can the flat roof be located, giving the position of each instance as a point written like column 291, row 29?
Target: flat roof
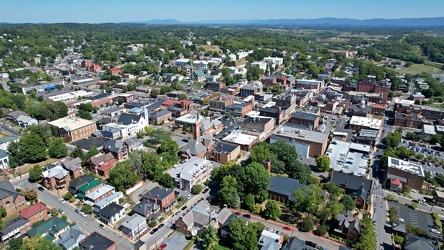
column 366, row 122
column 405, row 166
column 190, row 118
column 186, row 170
column 429, row 129
column 300, row 134
column 341, row 159
column 238, row 137
column 99, row 192
column 70, row 124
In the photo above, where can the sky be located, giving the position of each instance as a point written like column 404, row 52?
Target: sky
column 100, row 11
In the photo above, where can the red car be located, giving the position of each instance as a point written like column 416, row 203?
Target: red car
column 288, row 228
column 238, row 213
column 163, row 246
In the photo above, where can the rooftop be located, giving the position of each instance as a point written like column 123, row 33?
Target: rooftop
column 90, row 185
column 96, row 241
column 193, row 166
column 238, row 137
column 304, row 116
column 158, row 192
column 348, row 157
column 110, row 210
column 405, row 166
column 33, row 209
column 285, row 186
column 190, row 118
column 300, row 134
column 70, row 124
column 366, row 122
column 99, row 192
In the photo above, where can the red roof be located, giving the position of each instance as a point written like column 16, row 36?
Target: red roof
column 395, row 181
column 169, row 102
column 115, row 69
column 33, row 209
column 185, row 102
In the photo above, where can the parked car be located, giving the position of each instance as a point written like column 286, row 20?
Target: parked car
column 162, row 247
column 41, row 189
column 183, row 208
column 287, row 228
column 247, row 215
column 102, row 226
column 62, row 201
column 154, row 231
column 61, row 211
column 160, row 226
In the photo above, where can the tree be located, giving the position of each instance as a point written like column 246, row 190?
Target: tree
column 84, row 114
column 309, row 199
column 35, row 173
column 210, row 238
column 54, row 212
column 169, row 146
column 32, row 148
column 406, row 190
column 256, row 181
column 154, row 93
column 182, row 97
column 15, row 244
column 321, row 230
column 38, row 243
column 57, row 148
column 2, row 212
column 393, row 139
column 166, row 180
column 158, row 136
column 249, row 202
column 367, row 238
column 322, row 163
column 122, row 176
column 260, row 152
column 272, row 210
column 228, row 192
column 306, row 224
column 87, row 209
column 348, row 202
column 196, row 189
column 242, row 235
column 30, row 194
column 284, row 152
column 298, row 171
column 78, row 152
column 91, row 152
column 67, row 196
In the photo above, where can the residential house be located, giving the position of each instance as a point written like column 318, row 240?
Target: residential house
column 77, row 183
column 14, row 115
column 197, row 148
column 26, row 120
column 10, row 199
column 15, row 228
column 70, row 238
column 200, row 217
column 111, row 213
column 101, row 164
column 198, row 76
column 160, row 117
column 413, row 242
column 5, row 141
column 112, row 198
column 192, row 172
column 74, row 166
column 99, row 194
column 146, row 208
column 89, row 187
column 96, row 241
column 210, row 127
column 164, row 197
column 282, row 189
column 378, row 109
column 308, row 120
column 358, row 187
column 55, row 177
column 73, row 129
column 347, row 226
column 269, row 240
column 225, row 152
column 134, row 123
column 115, row 71
column 50, row 229
column 4, row 159
column 117, row 148
column 35, row 213
column 134, row 226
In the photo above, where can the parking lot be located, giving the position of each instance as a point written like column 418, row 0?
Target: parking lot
column 175, row 241
column 414, row 217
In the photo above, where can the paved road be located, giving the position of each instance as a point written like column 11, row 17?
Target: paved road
column 383, row 234
column 88, row 224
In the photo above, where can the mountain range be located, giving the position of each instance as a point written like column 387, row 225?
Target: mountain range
column 327, row 21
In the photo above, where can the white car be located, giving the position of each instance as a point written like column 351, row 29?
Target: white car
column 434, row 231
column 62, row 201
column 83, row 214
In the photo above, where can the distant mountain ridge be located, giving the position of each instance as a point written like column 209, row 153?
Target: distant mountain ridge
column 326, row 21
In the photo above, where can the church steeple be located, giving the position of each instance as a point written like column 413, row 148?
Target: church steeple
column 268, row 70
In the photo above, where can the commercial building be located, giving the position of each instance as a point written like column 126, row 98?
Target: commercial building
column 73, row 129
column 96, row 241
column 308, row 120
column 408, row 173
column 307, row 143
column 359, row 123
column 348, row 157
column 225, row 152
column 244, row 140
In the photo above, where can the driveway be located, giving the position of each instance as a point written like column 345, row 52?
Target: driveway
column 136, row 195
column 175, row 241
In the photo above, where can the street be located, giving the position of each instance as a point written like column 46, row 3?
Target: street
column 383, row 234
column 87, row 224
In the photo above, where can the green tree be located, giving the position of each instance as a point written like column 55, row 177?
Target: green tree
column 32, row 148
column 2, row 212
column 91, row 152
column 196, row 189
column 84, row 115
column 35, row 173
column 393, row 139
column 242, row 235
column 260, row 152
column 87, row 209
column 348, row 202
column 158, row 136
column 209, row 237
column 249, row 202
column 406, row 190
column 309, row 199
column 256, row 181
column 57, row 148
column 367, row 238
column 182, row 97
column 38, row 243
column 321, row 230
column 272, row 210
column 122, row 176
column 298, row 171
column 166, row 180
column 67, row 196
column 54, row 212
column 168, row 146
column 228, row 192
column 78, row 152
column 306, row 224
column 322, row 163
column 15, row 244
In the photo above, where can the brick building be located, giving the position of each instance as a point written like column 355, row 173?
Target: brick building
column 164, row 197
column 73, row 129
column 311, row 121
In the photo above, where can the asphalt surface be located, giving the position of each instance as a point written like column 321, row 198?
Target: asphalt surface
column 383, row 228
column 87, row 224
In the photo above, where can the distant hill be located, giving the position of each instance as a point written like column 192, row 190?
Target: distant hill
column 327, row 21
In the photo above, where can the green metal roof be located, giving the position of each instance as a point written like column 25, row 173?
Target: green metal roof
column 92, row 184
column 55, row 224
column 8, row 138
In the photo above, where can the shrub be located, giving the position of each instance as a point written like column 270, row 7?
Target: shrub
column 87, row 209
column 152, row 223
column 398, row 239
column 67, row 196
column 196, row 189
column 306, row 224
column 322, row 230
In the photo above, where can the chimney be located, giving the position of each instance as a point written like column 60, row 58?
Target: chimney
column 267, row 165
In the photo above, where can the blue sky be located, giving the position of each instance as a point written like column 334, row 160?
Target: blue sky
column 99, row 11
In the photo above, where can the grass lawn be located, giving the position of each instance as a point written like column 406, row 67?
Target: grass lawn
column 418, row 69
column 211, row 48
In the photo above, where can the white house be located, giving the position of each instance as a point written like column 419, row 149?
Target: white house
column 262, row 65
column 5, row 141
column 192, row 172
column 25, row 121
column 4, row 160
column 111, row 213
column 276, row 61
column 134, row 226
